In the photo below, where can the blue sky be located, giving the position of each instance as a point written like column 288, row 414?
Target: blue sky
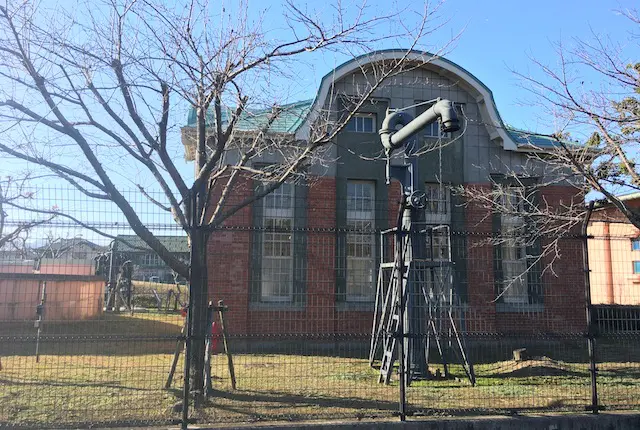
column 498, row 37
column 503, row 35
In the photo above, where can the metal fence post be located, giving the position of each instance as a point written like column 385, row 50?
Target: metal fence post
column 591, row 332
column 187, row 365
column 189, row 321
column 401, row 337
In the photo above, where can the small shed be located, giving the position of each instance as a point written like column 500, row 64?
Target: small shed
column 68, row 296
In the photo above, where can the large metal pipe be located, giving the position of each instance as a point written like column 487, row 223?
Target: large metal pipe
column 393, row 138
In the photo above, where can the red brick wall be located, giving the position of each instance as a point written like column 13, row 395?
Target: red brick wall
column 318, row 313
column 481, row 315
column 321, row 256
column 229, row 275
column 228, row 259
column 563, row 308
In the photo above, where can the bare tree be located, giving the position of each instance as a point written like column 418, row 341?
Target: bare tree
column 533, row 231
column 107, row 85
column 14, row 234
column 590, row 96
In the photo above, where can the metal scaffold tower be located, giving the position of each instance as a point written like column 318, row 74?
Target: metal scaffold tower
column 416, row 299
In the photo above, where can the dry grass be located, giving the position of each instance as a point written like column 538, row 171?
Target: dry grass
column 143, row 294
column 100, row 380
column 160, row 287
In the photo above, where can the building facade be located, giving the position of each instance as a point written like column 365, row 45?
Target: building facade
column 305, row 258
column 614, row 255
column 147, row 265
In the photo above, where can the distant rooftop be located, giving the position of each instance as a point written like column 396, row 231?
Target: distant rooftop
column 63, row 244
column 177, row 244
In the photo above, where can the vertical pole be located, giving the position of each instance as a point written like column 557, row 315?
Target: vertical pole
column 110, row 278
column 591, row 340
column 400, row 236
column 189, row 318
column 187, row 365
column 208, row 345
column 232, row 373
column 40, row 320
column 176, row 354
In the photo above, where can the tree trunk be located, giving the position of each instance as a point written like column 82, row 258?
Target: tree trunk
column 198, row 299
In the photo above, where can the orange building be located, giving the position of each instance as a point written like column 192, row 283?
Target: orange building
column 614, row 255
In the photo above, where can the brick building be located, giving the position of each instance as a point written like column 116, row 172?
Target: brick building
column 614, row 255
column 304, row 259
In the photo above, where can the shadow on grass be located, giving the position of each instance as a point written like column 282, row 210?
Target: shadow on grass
column 257, row 404
column 621, row 372
column 112, row 334
column 65, row 384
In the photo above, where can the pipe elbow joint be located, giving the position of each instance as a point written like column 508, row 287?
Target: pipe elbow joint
column 390, row 127
column 448, row 117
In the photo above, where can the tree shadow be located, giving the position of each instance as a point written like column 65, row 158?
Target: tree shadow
column 112, row 334
column 65, row 384
column 254, row 404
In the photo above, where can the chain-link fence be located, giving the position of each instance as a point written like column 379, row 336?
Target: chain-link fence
column 304, row 319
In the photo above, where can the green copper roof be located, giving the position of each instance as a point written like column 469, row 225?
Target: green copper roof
column 288, row 120
column 528, row 138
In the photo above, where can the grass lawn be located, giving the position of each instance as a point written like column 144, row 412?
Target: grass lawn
column 160, row 287
column 95, row 379
column 143, row 294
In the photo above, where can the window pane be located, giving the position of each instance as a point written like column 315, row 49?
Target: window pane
column 437, row 238
column 432, row 130
column 438, row 198
column 276, row 279
column 351, row 125
column 439, row 283
column 281, row 198
column 360, row 247
column 437, row 204
column 360, row 198
column 513, row 231
column 277, row 246
column 361, row 123
column 367, row 125
column 360, row 280
column 514, row 267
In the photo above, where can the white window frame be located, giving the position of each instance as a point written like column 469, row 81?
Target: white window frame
column 366, row 219
column 356, row 123
column 150, row 259
column 277, row 240
column 433, row 130
column 438, row 222
column 515, row 288
column 437, row 204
